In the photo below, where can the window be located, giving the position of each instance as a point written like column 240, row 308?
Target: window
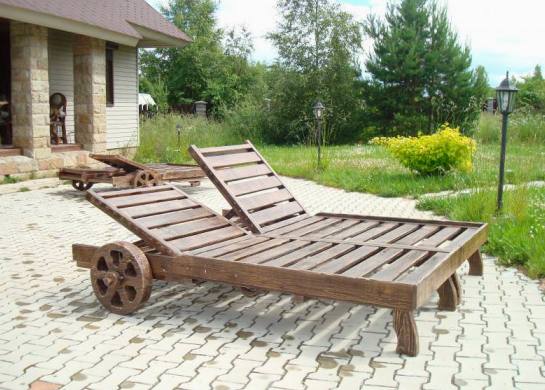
column 109, row 76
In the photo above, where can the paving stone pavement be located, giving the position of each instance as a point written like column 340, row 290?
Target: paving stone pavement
column 209, row 336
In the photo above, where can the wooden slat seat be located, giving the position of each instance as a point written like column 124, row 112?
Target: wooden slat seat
column 273, row 210
column 185, row 239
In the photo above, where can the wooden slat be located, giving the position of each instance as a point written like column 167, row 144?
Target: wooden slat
column 399, row 266
column 145, row 198
column 460, row 239
column 322, row 257
column 132, row 191
column 276, row 212
column 207, row 238
column 228, row 149
column 233, row 245
column 233, row 159
column 373, row 233
column 291, row 224
column 116, row 160
column 265, row 199
column 416, row 236
column 254, row 185
column 160, row 220
column 273, row 253
column 308, row 229
column 403, row 220
column 253, row 249
column 158, row 208
column 354, row 230
column 298, row 254
column 190, row 228
column 441, row 236
column 223, row 244
column 397, row 233
column 244, row 172
column 332, row 230
column 348, row 260
column 372, row 263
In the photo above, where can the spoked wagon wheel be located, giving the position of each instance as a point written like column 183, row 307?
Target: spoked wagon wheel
column 81, row 185
column 146, row 179
column 121, row 277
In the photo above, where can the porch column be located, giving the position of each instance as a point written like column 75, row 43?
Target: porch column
column 90, row 93
column 30, row 89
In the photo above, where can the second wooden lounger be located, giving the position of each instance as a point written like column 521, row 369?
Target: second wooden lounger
column 182, row 239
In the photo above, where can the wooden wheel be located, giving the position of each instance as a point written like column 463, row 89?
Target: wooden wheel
column 146, row 179
column 121, row 277
column 81, row 185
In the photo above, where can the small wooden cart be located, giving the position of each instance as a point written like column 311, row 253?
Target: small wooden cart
column 123, row 172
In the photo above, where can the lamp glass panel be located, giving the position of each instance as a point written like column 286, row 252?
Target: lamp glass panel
column 503, row 101
column 512, row 101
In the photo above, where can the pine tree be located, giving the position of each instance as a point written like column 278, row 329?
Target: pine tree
column 420, row 75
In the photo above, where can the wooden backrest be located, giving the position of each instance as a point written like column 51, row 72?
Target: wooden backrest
column 249, row 184
column 165, row 218
column 118, row 161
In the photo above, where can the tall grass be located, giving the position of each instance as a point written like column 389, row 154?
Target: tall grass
column 515, row 235
column 524, row 128
column 159, row 140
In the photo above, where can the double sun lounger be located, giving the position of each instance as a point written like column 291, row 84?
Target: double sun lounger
column 268, row 241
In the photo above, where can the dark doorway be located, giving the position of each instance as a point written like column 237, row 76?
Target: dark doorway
column 5, row 84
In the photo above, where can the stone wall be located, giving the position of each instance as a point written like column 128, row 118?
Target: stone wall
column 90, row 93
column 30, row 89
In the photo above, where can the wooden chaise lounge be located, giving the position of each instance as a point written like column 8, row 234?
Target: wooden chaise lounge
column 182, row 239
column 263, row 204
column 124, row 172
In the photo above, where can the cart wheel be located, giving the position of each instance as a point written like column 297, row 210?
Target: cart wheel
column 81, row 185
column 146, row 179
column 121, row 277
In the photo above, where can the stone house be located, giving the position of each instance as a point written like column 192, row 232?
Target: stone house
column 85, row 50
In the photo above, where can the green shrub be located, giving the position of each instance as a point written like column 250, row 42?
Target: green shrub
column 433, row 154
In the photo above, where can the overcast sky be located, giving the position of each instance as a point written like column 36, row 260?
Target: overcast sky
column 516, row 45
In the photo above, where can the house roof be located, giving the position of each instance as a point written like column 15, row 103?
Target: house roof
column 134, row 20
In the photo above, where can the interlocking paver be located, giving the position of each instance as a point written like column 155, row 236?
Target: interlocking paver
column 211, row 336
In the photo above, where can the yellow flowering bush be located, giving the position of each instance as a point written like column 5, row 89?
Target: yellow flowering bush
column 434, row 154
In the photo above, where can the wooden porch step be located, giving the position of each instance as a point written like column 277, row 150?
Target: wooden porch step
column 65, row 148
column 10, row 151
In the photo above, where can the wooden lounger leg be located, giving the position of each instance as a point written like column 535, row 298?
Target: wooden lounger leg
column 407, row 334
column 458, row 286
column 449, row 294
column 476, row 264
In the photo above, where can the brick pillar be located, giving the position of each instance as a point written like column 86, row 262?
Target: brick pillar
column 90, row 93
column 30, row 89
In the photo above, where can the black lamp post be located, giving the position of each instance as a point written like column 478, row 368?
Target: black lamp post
column 318, row 113
column 505, row 94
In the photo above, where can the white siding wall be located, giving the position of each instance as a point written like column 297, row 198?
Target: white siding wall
column 122, row 118
column 61, row 73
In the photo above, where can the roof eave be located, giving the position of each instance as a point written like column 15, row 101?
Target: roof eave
column 154, row 39
column 64, row 24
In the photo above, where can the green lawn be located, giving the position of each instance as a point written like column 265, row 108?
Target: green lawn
column 368, row 168
column 516, row 235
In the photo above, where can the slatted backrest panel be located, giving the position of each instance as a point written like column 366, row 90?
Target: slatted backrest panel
column 166, row 218
column 118, row 161
column 249, row 184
